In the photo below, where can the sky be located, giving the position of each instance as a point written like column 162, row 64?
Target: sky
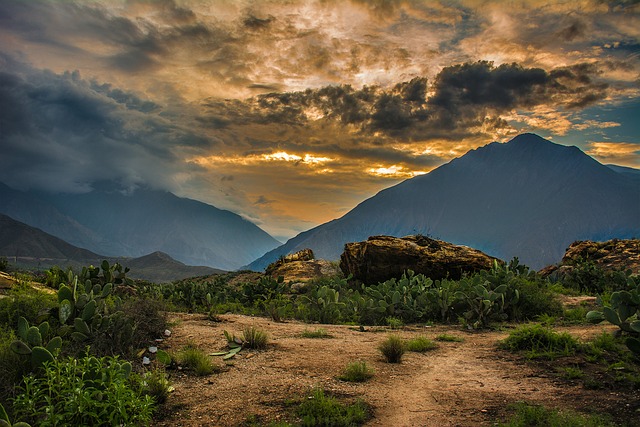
column 290, row 113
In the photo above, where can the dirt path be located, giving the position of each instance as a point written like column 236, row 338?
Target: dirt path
column 465, row 383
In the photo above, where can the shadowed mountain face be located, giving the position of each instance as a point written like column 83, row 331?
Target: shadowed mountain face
column 131, row 225
column 528, row 198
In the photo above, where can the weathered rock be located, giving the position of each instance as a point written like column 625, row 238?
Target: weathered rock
column 381, row 258
column 300, row 267
column 610, row 256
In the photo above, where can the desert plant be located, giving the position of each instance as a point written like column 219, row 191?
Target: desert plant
column 534, row 415
column 316, row 333
column 255, row 338
column 156, row 384
column 449, row 338
column 394, row 322
column 82, row 392
column 195, row 360
column 392, row 349
column 321, row 410
column 356, row 372
column 420, row 344
column 31, row 343
column 539, row 341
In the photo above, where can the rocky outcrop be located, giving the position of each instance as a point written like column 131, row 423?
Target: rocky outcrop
column 300, row 267
column 381, row 258
column 616, row 254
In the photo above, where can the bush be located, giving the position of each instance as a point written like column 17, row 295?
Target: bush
column 392, row 349
column 421, row 344
column 356, row 372
column 24, row 302
column 194, row 359
column 156, row 384
column 321, row 410
column 534, row 415
column 87, row 391
column 318, row 333
column 539, row 341
column 255, row 338
column 449, row 338
column 12, row 368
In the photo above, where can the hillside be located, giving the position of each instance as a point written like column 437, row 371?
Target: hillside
column 119, row 224
column 528, row 198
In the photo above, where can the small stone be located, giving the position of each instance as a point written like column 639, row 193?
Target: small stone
column 167, row 333
column 153, row 349
column 146, row 360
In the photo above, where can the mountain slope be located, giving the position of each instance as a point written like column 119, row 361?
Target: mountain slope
column 159, row 267
column 529, row 198
column 131, row 225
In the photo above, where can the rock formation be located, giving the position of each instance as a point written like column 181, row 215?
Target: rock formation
column 611, row 255
column 380, row 258
column 300, row 267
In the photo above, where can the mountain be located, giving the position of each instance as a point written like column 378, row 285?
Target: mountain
column 115, row 223
column 528, row 198
column 19, row 240
column 29, row 247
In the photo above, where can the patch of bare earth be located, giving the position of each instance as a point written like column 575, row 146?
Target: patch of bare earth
column 467, row 383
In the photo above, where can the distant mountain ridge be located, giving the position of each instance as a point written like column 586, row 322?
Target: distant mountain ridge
column 528, row 198
column 109, row 222
column 30, row 247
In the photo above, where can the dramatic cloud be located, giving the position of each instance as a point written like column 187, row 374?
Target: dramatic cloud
column 290, row 113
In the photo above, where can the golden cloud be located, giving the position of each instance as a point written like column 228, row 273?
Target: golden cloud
column 620, row 153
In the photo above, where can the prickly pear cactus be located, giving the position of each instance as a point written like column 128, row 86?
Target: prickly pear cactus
column 31, row 340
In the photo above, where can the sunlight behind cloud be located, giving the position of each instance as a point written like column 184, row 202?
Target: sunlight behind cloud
column 619, row 153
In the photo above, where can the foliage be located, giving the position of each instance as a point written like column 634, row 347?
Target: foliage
column 420, row 344
column 4, row 264
column 356, row 372
column 539, row 341
column 586, row 276
column 26, row 302
column 392, row 349
column 394, row 322
column 321, row 410
column 5, row 422
column 81, row 392
column 255, row 338
column 316, row 333
column 534, row 415
column 449, row 338
column 12, row 368
column 624, row 312
column 156, row 384
column 55, row 276
column 195, row 360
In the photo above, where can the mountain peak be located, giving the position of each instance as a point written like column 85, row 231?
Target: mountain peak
column 529, row 138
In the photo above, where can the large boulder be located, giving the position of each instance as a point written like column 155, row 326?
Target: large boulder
column 381, row 258
column 612, row 255
column 300, row 267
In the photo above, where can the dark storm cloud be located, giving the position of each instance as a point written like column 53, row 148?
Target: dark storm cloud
column 61, row 133
column 462, row 96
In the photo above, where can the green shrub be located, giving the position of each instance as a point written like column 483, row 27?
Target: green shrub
column 356, row 372
column 196, row 360
column 392, row 349
column 12, row 368
column 321, row 410
column 156, row 384
column 533, row 415
column 4, row 264
column 449, row 338
column 539, row 341
column 87, row 391
column 317, row 333
column 255, row 338
column 394, row 322
column 25, row 302
column 421, row 344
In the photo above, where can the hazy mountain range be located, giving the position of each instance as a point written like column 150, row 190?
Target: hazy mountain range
column 31, row 248
column 113, row 223
column 528, row 198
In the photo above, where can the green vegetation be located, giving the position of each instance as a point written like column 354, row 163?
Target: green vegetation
column 255, row 338
column 392, row 349
column 420, row 344
column 322, row 410
column 540, row 342
column 449, row 338
column 316, row 333
column 82, row 392
column 195, row 360
column 356, row 372
column 534, row 415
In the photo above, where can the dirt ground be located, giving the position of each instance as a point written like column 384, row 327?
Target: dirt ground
column 468, row 383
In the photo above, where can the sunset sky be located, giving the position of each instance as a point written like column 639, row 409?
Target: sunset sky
column 292, row 112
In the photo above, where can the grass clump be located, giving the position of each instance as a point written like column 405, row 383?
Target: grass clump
column 196, row 360
column 540, row 342
column 449, row 338
column 255, row 338
column 534, row 415
column 392, row 349
column 394, row 322
column 316, row 333
column 421, row 344
column 322, row 410
column 356, row 372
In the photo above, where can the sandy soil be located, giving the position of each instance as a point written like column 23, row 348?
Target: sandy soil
column 467, row 383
